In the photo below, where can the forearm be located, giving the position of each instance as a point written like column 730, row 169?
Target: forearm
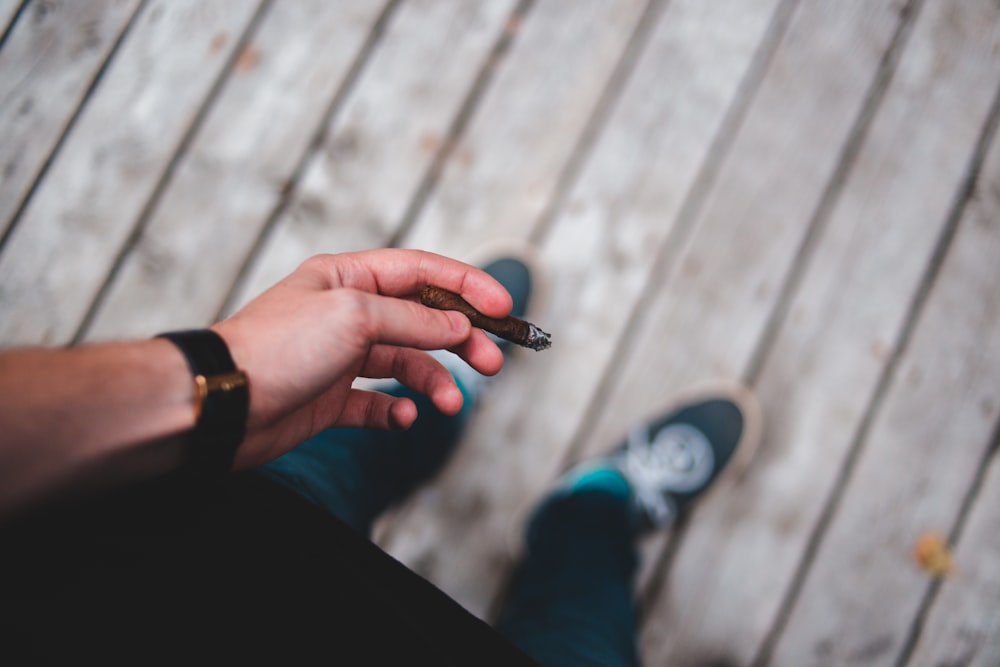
column 107, row 412
column 89, row 412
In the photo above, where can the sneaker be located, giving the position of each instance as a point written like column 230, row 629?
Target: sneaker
column 671, row 460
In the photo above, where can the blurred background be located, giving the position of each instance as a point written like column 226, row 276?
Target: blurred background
column 797, row 194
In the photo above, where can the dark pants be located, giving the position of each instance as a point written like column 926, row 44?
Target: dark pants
column 570, row 602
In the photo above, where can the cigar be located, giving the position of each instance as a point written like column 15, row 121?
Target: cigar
column 517, row 331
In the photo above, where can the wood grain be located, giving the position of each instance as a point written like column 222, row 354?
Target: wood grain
column 47, row 64
column 708, row 305
column 507, row 165
column 59, row 254
column 356, row 189
column 237, row 169
column 763, row 189
column 8, row 12
column 738, row 561
column 963, row 627
column 600, row 248
column 919, row 457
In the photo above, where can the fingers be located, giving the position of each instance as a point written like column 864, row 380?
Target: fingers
column 403, row 323
column 398, row 272
column 480, row 352
column 381, row 319
column 391, row 321
column 373, row 409
column 418, row 371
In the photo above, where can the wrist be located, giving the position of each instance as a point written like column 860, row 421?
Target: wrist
column 220, row 400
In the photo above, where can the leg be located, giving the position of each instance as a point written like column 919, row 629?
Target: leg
column 571, row 601
column 356, row 474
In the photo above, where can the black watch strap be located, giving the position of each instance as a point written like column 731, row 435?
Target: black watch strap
column 222, row 399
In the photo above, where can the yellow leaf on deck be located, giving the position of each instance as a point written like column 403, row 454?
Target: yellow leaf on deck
column 933, row 554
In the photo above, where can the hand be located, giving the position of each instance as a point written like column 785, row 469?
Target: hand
column 340, row 317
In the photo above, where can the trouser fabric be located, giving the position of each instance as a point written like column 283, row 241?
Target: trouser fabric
column 570, row 601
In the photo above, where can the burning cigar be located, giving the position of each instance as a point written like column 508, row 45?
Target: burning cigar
column 517, row 331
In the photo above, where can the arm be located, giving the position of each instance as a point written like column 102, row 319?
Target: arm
column 82, row 412
column 64, row 410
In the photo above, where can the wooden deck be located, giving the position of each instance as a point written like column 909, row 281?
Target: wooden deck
column 801, row 194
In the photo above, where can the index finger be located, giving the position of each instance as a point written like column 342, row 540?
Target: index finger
column 399, row 272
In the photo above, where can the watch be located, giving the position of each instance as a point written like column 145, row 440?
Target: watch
column 222, row 400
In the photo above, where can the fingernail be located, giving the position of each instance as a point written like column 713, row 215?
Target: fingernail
column 455, row 397
column 459, row 322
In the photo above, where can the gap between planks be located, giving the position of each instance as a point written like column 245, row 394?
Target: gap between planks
column 745, row 57
column 968, row 529
column 574, row 150
column 606, row 102
column 5, row 232
column 954, row 537
column 458, row 125
column 315, row 145
column 508, row 113
column 14, row 12
column 693, row 203
column 161, row 185
column 914, row 310
column 426, row 186
column 816, row 185
column 989, row 136
column 856, row 135
column 845, row 162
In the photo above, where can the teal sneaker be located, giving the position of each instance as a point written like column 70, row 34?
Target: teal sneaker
column 669, row 461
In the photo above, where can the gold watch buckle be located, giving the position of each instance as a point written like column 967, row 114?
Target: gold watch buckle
column 223, row 382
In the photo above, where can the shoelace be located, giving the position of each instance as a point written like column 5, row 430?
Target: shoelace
column 680, row 459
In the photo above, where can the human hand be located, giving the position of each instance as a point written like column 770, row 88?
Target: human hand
column 336, row 318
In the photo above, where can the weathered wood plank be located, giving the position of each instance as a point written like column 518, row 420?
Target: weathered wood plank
column 58, row 255
column 355, row 191
column 706, row 319
column 919, row 458
column 47, row 65
column 8, row 11
column 707, row 316
column 738, row 560
column 238, row 168
column 600, row 249
column 506, row 167
column 714, row 304
column 963, row 627
column 702, row 307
